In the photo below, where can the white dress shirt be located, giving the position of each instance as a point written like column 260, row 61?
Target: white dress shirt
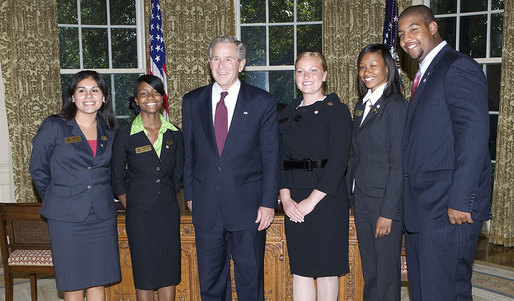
column 230, row 99
column 429, row 58
column 371, row 98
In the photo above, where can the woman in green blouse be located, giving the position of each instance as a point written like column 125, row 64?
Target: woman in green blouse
column 147, row 165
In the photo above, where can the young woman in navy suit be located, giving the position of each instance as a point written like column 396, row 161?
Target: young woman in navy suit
column 149, row 153
column 70, row 167
column 375, row 177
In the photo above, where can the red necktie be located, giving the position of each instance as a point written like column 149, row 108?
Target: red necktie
column 221, row 122
column 415, row 84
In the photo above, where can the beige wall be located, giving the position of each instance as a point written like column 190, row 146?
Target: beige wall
column 6, row 177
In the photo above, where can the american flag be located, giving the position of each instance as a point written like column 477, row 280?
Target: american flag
column 390, row 35
column 157, row 60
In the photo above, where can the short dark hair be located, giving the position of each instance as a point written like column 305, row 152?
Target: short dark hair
column 150, row 79
column 425, row 12
column 105, row 114
column 393, row 78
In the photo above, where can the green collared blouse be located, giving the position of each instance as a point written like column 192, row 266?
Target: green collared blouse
column 137, row 126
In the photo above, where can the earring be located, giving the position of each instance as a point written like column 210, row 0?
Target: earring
column 103, row 100
column 72, row 99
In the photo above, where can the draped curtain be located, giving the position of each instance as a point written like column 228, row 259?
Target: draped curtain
column 348, row 26
column 502, row 224
column 29, row 55
column 189, row 27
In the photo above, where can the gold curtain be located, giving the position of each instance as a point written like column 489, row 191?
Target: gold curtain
column 189, row 27
column 29, row 54
column 502, row 224
column 348, row 26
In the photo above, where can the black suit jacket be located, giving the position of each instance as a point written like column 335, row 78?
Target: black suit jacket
column 376, row 161
column 150, row 178
column 246, row 175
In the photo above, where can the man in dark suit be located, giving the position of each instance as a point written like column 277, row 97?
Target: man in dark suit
column 447, row 167
column 230, row 174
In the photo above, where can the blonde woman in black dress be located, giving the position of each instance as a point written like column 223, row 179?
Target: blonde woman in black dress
column 315, row 137
column 149, row 152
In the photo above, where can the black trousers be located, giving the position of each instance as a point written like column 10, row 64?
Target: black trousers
column 380, row 257
column 215, row 246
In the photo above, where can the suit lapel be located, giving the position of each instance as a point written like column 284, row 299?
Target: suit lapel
column 166, row 144
column 75, row 131
column 237, row 119
column 103, row 139
column 205, row 117
column 377, row 107
column 418, row 97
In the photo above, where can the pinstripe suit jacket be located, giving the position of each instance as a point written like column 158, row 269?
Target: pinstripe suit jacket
column 445, row 144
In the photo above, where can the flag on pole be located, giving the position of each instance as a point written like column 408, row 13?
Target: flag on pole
column 390, row 34
column 157, row 60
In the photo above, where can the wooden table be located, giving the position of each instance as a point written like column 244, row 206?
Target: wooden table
column 278, row 281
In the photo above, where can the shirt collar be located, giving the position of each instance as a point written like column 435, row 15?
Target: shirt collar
column 137, row 125
column 233, row 90
column 375, row 96
column 430, row 57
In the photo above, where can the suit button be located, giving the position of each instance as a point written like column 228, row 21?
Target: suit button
column 406, row 174
column 88, row 186
column 404, row 147
column 158, row 181
column 219, row 168
column 158, row 168
column 89, row 168
column 218, row 188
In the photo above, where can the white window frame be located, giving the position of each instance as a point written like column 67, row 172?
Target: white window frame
column 141, row 53
column 267, row 24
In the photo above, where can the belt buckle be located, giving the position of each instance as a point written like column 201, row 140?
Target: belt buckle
column 307, row 164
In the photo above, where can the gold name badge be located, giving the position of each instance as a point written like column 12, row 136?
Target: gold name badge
column 72, row 139
column 358, row 112
column 143, row 149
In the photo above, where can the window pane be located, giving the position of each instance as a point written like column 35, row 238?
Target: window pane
column 443, row 6
column 93, row 12
column 472, row 5
column 496, row 35
column 493, row 123
column 67, row 11
column 123, row 90
column 255, row 78
column 94, row 44
column 253, row 11
column 309, row 38
column 497, row 4
column 282, row 86
column 124, row 48
column 308, row 10
column 65, row 83
column 254, row 38
column 123, row 12
column 473, row 34
column 281, row 11
column 281, row 44
column 447, row 29
column 493, row 73
column 69, row 48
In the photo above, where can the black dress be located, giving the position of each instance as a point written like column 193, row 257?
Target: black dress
column 318, row 247
column 152, row 214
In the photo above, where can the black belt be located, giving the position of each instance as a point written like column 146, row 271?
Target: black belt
column 305, row 164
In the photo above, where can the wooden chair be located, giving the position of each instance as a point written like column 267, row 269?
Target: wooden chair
column 25, row 245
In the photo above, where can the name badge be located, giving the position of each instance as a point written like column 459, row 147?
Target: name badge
column 143, row 149
column 358, row 112
column 72, row 139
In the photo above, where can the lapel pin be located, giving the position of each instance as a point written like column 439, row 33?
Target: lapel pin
column 246, row 113
column 101, row 145
column 374, row 110
column 378, row 106
column 330, row 103
column 316, row 112
column 103, row 138
column 168, row 143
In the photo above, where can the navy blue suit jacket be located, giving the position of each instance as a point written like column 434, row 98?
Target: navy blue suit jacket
column 376, row 161
column 445, row 144
column 68, row 178
column 246, row 175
